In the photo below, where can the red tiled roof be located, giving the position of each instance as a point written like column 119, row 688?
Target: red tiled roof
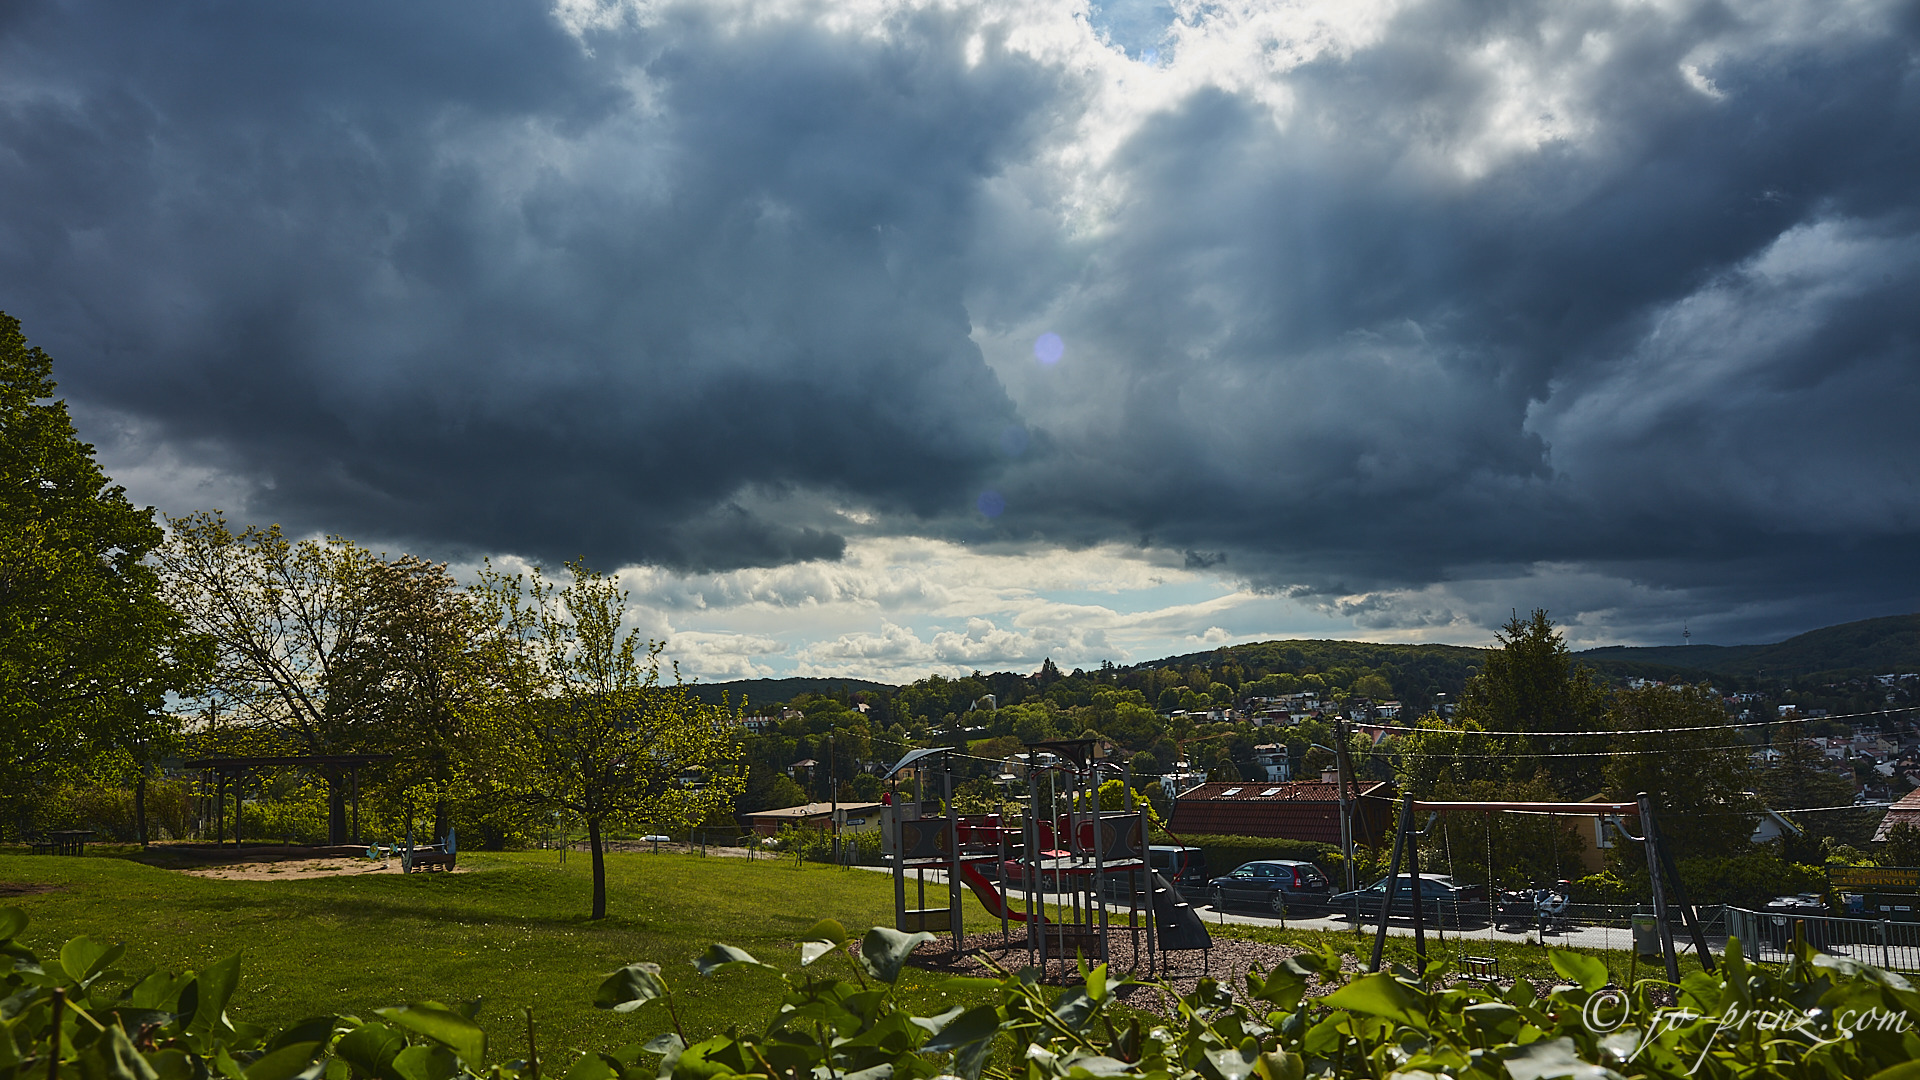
column 1300, row 810
column 1906, row 810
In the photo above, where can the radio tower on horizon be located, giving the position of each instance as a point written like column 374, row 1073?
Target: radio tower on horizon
column 1686, row 635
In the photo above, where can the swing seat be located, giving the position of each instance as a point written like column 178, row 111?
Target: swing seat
column 1480, row 968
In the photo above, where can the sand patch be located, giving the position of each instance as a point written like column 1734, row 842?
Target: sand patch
column 291, row 869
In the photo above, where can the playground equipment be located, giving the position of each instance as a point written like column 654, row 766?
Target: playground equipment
column 1066, row 855
column 1661, row 872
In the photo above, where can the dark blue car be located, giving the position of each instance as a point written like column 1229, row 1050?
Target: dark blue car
column 1283, row 887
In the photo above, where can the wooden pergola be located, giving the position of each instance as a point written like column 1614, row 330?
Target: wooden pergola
column 229, row 770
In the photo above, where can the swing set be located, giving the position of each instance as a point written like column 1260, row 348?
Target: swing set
column 1661, row 872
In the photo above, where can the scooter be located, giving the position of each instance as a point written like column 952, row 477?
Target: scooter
column 1541, row 908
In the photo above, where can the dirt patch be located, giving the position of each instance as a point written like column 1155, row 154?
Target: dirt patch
column 292, row 869
column 22, row 888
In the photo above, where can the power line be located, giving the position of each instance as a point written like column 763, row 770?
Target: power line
column 1700, row 727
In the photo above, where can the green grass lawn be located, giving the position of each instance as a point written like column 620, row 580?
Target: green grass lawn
column 514, row 932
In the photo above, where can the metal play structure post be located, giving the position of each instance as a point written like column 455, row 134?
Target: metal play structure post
column 1079, row 853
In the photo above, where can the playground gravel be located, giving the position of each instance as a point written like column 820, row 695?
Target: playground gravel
column 1228, row 963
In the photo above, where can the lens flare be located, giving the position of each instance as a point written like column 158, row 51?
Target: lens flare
column 992, row 504
column 1048, row 348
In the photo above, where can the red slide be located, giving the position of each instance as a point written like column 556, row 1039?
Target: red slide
column 990, row 897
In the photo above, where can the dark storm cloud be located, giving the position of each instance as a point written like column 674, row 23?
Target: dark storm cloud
column 452, row 276
column 1486, row 293
column 1680, row 344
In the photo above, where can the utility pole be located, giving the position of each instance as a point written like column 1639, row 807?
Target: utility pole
column 833, row 795
column 1345, row 768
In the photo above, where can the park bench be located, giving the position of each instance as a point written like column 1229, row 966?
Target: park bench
column 60, row 842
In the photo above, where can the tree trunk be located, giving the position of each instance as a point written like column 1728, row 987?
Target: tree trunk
column 140, row 805
column 599, row 869
column 336, row 810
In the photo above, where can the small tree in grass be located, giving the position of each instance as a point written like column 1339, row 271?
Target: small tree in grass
column 580, row 721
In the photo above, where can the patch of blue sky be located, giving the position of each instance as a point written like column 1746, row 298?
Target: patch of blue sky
column 1137, row 27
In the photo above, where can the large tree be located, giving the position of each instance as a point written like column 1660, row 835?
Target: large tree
column 418, row 666
column 1531, row 685
column 585, row 726
column 292, row 624
column 88, row 648
column 1673, row 742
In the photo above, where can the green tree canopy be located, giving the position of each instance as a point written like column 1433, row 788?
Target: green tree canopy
column 1673, row 743
column 293, row 627
column 585, row 725
column 1531, row 684
column 88, row 648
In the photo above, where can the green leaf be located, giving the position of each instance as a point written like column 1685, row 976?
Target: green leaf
column 1380, row 994
column 111, row 1057
column 1554, row 1059
column 1233, row 1063
column 12, row 921
column 425, row 1063
column 216, row 989
column 370, row 1048
column 630, row 987
column 973, row 1025
column 1282, row 1065
column 933, row 1025
column 592, row 1067
column 1097, row 983
column 829, row 931
column 283, row 1064
column 1588, row 973
column 1906, row 1070
column 814, row 950
column 444, row 1026
column 719, row 957
column 884, row 951
column 312, row 1029
column 158, row 991
column 84, row 956
column 171, row 1064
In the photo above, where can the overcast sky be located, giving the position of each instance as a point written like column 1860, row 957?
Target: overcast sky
column 878, row 338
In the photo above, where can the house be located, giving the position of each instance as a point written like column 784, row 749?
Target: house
column 1773, row 827
column 859, row 817
column 1272, row 761
column 1906, row 810
column 1296, row 810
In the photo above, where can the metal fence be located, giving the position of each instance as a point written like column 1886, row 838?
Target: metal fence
column 1769, row 936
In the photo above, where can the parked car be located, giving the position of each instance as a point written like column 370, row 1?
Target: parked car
column 1804, row 911
column 1444, row 903
column 1279, row 886
column 1186, row 867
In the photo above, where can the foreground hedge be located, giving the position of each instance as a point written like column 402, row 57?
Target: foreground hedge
column 1821, row 1017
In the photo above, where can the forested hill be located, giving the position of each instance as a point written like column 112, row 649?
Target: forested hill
column 758, row 693
column 1887, row 645
column 1411, row 673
